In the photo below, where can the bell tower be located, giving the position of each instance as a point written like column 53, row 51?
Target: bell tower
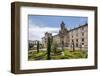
column 62, row 25
column 63, row 35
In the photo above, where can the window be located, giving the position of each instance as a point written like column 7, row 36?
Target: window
column 72, row 40
column 82, row 39
column 82, row 34
column 76, row 44
column 82, row 43
column 76, row 40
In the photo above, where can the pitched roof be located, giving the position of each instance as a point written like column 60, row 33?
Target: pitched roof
column 78, row 27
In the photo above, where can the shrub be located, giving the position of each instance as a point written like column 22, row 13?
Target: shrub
column 75, row 54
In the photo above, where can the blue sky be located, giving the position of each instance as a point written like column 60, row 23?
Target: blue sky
column 39, row 24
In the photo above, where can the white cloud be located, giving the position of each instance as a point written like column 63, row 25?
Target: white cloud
column 37, row 32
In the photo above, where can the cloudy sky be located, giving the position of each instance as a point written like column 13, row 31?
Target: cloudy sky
column 39, row 24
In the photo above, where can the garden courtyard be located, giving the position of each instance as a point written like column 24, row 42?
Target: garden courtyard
column 55, row 55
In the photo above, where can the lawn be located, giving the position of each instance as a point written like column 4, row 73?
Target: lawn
column 66, row 54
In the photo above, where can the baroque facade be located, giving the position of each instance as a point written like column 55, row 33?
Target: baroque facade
column 77, row 37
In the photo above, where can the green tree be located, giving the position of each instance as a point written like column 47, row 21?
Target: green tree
column 37, row 46
column 62, row 46
column 48, row 49
column 73, row 46
column 55, row 46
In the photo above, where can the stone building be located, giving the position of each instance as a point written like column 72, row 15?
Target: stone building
column 77, row 37
column 45, row 39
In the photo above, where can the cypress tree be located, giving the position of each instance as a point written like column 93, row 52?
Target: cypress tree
column 62, row 46
column 73, row 46
column 48, row 49
column 37, row 46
